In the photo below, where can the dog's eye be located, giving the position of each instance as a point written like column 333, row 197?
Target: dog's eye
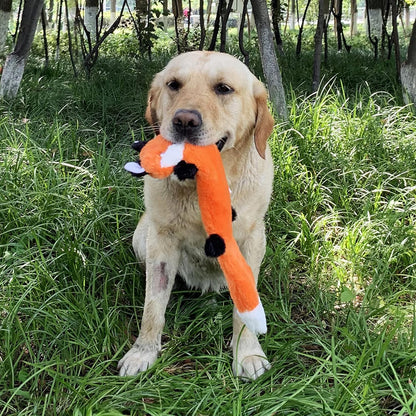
column 174, row 85
column 223, row 89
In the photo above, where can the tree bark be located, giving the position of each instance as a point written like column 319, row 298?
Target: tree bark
column 316, row 77
column 395, row 38
column 299, row 43
column 268, row 58
column 241, row 33
column 90, row 18
column 113, row 11
column 354, row 18
column 408, row 70
column 16, row 61
column 5, row 13
column 292, row 14
column 374, row 10
column 275, row 5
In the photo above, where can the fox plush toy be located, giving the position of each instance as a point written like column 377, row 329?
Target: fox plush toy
column 160, row 158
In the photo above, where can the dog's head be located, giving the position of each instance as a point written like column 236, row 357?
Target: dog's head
column 209, row 97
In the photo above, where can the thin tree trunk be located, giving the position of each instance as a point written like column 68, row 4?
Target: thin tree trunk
column 327, row 17
column 292, row 14
column 275, row 4
column 19, row 15
column 70, row 39
column 408, row 70
column 50, row 11
column 90, row 18
column 406, row 16
column 316, row 77
column 44, row 21
column 220, row 6
column 5, row 13
column 224, row 19
column 354, row 18
column 299, row 43
column 16, row 61
column 113, row 15
column 58, row 37
column 339, row 31
column 244, row 16
column 335, row 11
column 268, row 58
column 374, row 23
column 395, row 37
column 202, row 25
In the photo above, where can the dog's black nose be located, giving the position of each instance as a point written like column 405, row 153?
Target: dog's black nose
column 187, row 122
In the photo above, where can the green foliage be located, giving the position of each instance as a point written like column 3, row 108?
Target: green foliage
column 337, row 281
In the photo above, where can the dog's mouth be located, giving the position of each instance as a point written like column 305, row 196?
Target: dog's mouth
column 221, row 143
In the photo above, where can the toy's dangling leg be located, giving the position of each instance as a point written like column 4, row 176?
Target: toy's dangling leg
column 242, row 287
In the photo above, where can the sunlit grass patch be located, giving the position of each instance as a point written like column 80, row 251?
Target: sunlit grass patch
column 337, row 282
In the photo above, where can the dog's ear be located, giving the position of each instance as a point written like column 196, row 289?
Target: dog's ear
column 264, row 120
column 150, row 113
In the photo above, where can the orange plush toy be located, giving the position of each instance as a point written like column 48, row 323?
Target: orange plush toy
column 160, row 158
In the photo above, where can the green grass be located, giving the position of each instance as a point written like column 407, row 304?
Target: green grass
column 337, row 282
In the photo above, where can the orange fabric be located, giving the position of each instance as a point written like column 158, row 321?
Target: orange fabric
column 215, row 205
column 151, row 156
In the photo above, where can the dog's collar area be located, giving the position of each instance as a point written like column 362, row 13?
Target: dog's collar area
column 220, row 143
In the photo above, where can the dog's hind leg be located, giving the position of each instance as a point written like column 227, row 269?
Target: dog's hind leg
column 161, row 266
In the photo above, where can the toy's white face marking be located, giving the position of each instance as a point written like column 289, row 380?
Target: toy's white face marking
column 215, row 93
column 173, row 155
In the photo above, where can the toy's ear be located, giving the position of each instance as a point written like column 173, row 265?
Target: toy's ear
column 264, row 120
column 152, row 100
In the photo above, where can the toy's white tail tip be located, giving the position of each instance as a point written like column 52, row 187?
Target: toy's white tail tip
column 255, row 320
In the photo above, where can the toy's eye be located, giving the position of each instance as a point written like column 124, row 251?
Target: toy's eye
column 223, row 89
column 174, row 85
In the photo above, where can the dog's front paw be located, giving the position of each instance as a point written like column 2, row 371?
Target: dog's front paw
column 136, row 360
column 250, row 367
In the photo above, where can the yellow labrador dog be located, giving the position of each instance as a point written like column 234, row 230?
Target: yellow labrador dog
column 203, row 98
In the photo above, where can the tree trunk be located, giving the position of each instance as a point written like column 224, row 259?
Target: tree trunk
column 408, row 70
column 16, row 61
column 292, row 15
column 113, row 12
column 327, row 17
column 354, row 18
column 276, row 11
column 336, row 9
column 406, row 16
column 316, row 77
column 374, row 22
column 90, row 18
column 5, row 13
column 395, row 38
column 268, row 58
column 50, row 11
column 177, row 11
column 141, row 8
column 299, row 43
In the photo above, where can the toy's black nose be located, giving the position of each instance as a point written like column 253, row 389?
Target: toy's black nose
column 187, row 123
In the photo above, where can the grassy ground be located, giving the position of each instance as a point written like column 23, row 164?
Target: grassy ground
column 337, row 282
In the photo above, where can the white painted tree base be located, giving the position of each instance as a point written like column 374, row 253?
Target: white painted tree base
column 376, row 22
column 90, row 20
column 408, row 78
column 4, row 27
column 12, row 76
